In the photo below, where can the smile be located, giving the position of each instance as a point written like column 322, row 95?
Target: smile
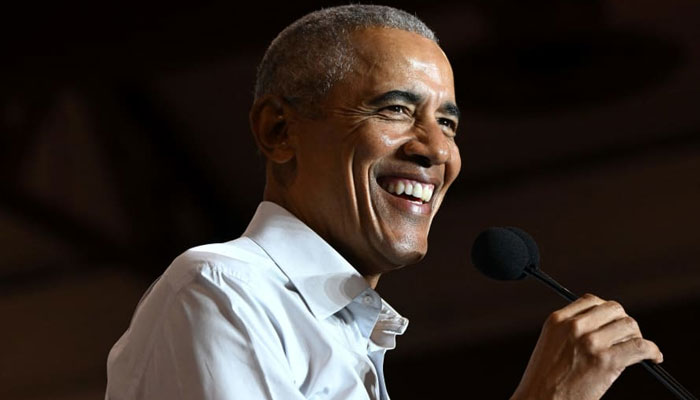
column 408, row 189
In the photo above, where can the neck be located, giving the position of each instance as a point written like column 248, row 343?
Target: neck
column 274, row 194
column 372, row 280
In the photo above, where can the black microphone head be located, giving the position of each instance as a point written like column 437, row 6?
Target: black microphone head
column 504, row 253
column 531, row 246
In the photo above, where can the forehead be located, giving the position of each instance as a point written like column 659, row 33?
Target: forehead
column 386, row 57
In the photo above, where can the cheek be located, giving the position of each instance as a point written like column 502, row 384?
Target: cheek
column 454, row 165
column 376, row 141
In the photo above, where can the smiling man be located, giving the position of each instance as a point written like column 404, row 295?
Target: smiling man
column 355, row 113
column 369, row 172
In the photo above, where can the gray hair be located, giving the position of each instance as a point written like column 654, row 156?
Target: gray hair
column 313, row 53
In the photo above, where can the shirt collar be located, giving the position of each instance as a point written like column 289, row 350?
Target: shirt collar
column 325, row 280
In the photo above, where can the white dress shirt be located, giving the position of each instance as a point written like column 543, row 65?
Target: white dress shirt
column 275, row 314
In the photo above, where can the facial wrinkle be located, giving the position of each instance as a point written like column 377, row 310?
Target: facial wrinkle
column 349, row 175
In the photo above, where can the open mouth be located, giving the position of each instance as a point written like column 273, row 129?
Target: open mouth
column 414, row 191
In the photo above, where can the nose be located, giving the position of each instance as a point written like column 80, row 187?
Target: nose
column 428, row 146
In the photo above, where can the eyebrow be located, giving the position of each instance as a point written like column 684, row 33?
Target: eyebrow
column 449, row 107
column 394, row 95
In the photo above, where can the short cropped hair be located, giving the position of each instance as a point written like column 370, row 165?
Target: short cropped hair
column 313, row 53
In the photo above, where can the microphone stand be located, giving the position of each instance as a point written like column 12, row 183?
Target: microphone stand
column 659, row 373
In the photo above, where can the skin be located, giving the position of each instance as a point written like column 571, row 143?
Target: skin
column 327, row 171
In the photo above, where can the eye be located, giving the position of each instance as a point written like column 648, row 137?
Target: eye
column 446, row 122
column 397, row 109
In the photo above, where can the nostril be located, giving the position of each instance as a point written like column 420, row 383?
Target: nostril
column 423, row 161
column 426, row 154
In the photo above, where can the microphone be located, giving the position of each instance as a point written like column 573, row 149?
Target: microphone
column 509, row 253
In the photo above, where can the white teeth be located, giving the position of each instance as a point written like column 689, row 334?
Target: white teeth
column 427, row 194
column 422, row 191
column 400, row 187
column 409, row 189
column 417, row 191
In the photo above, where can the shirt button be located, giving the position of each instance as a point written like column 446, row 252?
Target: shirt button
column 368, row 299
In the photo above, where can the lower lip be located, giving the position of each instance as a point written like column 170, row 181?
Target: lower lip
column 408, row 205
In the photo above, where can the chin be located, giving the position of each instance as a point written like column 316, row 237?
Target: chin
column 402, row 254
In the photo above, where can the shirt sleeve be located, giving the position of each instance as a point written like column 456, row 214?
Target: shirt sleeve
column 215, row 340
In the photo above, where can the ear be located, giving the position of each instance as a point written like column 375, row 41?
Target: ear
column 269, row 120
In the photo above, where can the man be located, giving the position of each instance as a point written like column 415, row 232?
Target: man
column 355, row 113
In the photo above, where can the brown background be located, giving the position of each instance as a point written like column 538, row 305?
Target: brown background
column 125, row 141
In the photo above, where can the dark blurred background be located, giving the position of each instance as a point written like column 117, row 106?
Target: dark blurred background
column 125, row 141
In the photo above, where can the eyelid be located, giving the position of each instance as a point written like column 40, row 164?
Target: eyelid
column 404, row 108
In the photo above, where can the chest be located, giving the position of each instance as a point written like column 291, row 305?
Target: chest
column 331, row 358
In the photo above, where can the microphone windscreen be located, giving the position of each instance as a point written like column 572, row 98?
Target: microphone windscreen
column 503, row 253
column 531, row 246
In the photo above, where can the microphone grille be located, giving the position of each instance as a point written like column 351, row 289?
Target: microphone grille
column 503, row 253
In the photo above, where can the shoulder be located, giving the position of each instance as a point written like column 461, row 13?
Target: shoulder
column 238, row 262
column 207, row 284
column 210, row 305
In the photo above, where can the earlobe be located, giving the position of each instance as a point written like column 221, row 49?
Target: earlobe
column 269, row 121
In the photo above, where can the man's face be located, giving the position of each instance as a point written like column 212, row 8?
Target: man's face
column 388, row 126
